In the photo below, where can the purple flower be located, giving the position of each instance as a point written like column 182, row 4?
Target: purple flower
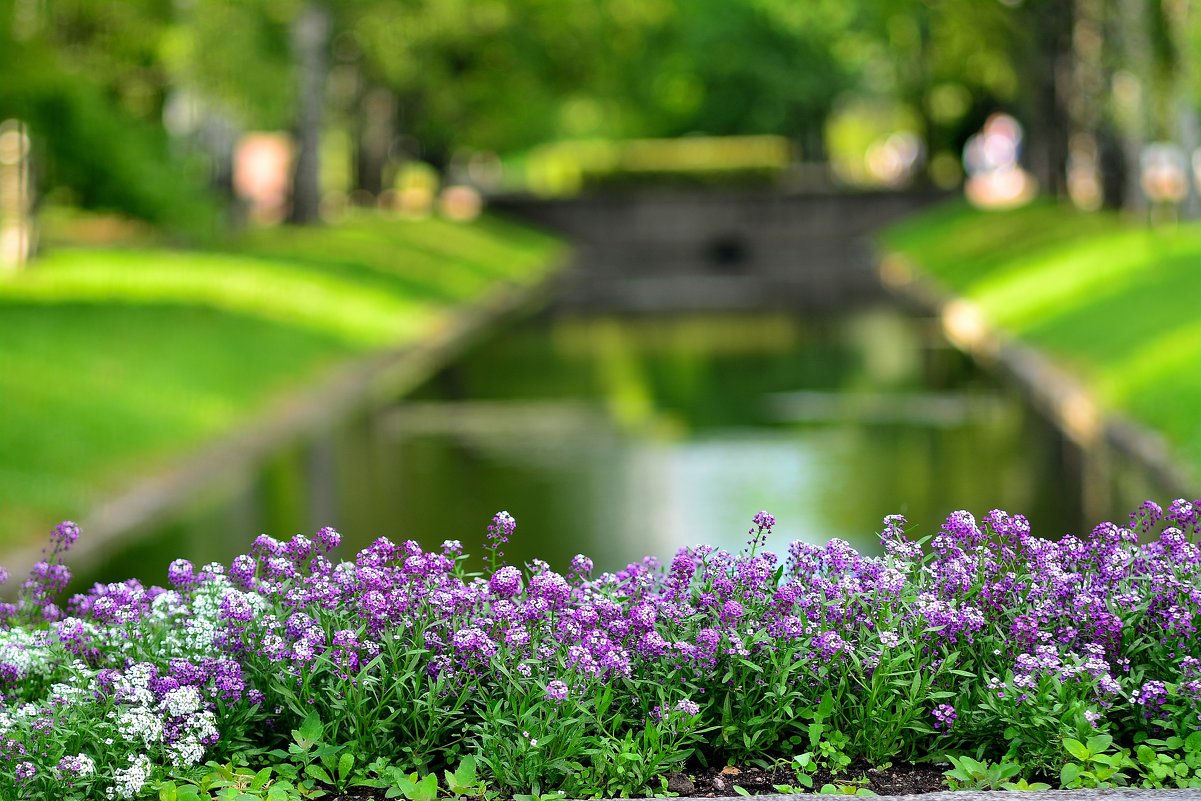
column 643, row 615
column 76, row 766
column 506, row 582
column 1146, row 516
column 499, row 531
column 944, row 717
column 581, row 567
column 1153, row 694
column 327, row 539
column 65, row 535
column 25, row 771
column 556, row 691
column 690, row 708
column 242, row 571
column 758, row 535
column 180, row 574
column 472, row 642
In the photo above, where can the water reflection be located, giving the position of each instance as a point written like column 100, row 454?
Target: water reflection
column 672, row 432
column 624, row 437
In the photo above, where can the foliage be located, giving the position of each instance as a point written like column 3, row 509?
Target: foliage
column 1170, row 762
column 970, row 774
column 1092, row 764
column 80, row 76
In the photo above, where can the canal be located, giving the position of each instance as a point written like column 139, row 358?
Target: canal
column 623, row 436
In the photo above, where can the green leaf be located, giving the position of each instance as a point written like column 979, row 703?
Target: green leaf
column 424, row 790
column 464, row 777
column 319, row 773
column 310, row 731
column 1069, row 775
column 167, row 791
column 345, row 765
column 826, row 708
column 1077, row 749
column 738, row 788
column 1099, row 743
column 260, row 779
column 815, row 733
column 1022, row 785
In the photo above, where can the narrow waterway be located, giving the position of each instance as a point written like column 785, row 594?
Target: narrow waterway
column 621, row 437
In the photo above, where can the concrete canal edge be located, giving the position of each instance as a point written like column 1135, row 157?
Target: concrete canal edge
column 366, row 382
column 1050, row 388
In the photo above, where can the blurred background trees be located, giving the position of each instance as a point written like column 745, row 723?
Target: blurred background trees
column 140, row 105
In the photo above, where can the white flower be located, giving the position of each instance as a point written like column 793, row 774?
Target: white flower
column 182, row 701
column 128, row 782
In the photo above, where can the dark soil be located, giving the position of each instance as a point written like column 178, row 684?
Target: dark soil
column 895, row 780
column 717, row 782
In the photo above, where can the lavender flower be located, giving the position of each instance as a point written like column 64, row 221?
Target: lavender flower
column 499, row 531
column 25, row 771
column 248, row 648
column 690, row 708
column 506, row 582
column 944, row 717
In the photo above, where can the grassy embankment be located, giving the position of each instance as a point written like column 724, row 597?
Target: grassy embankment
column 115, row 360
column 1116, row 303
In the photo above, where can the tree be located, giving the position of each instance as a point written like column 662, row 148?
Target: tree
column 86, row 79
column 310, row 42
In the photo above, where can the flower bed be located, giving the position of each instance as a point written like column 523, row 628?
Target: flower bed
column 402, row 673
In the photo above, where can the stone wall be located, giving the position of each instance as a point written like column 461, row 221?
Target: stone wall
column 655, row 250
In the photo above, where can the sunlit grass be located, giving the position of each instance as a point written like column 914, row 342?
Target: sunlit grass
column 1114, row 301
column 279, row 291
column 115, row 360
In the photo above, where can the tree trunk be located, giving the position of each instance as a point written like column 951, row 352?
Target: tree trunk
column 1132, row 101
column 376, row 130
column 1085, row 104
column 1188, row 125
column 1051, row 82
column 310, row 41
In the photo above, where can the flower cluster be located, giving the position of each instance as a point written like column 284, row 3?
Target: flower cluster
column 944, row 717
column 734, row 653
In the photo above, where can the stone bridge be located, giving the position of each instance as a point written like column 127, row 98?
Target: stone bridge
column 653, row 250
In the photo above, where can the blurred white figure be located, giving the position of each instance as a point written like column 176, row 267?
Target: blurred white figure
column 263, row 175
column 893, row 160
column 990, row 159
column 1164, row 173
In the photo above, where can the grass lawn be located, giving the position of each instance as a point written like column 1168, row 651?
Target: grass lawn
column 1117, row 303
column 115, row 360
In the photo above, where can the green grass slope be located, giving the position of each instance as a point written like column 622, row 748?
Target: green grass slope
column 1117, row 303
column 114, row 361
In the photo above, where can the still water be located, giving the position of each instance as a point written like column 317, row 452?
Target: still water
column 623, row 437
